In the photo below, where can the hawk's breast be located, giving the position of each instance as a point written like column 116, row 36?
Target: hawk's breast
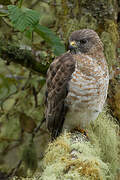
column 87, row 91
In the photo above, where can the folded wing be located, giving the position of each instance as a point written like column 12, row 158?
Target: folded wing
column 58, row 76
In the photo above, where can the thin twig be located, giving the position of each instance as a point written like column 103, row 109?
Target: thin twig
column 13, row 171
column 35, row 97
column 29, row 77
column 1, row 105
column 38, row 128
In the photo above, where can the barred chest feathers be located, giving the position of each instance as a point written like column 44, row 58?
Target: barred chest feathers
column 87, row 91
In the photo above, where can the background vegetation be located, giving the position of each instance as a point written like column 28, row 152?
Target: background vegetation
column 32, row 34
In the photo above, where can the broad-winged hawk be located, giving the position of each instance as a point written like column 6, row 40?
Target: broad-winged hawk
column 77, row 83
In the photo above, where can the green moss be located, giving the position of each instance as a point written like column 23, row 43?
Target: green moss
column 110, row 38
column 112, row 28
column 109, row 48
column 104, row 135
column 99, row 9
column 72, row 25
column 86, row 165
column 95, row 160
column 21, row 56
column 88, row 21
column 75, row 160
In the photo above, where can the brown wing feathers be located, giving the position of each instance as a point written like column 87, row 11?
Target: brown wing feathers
column 58, row 76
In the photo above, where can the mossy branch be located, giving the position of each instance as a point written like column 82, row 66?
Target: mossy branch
column 73, row 156
column 12, row 53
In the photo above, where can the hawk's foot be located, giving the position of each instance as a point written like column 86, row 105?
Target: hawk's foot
column 82, row 131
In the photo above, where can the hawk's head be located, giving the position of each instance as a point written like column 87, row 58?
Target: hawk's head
column 84, row 41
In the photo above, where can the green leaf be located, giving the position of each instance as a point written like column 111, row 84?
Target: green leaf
column 28, row 33
column 57, row 46
column 23, row 18
column 27, row 20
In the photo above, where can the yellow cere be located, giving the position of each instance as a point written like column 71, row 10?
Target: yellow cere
column 73, row 43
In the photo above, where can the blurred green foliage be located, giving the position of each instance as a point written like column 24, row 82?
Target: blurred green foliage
column 24, row 19
column 5, row 2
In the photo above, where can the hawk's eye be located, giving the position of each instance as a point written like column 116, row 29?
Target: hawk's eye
column 83, row 41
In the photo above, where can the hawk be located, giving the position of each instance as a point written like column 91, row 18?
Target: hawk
column 77, row 84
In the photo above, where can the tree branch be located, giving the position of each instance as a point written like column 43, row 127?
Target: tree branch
column 12, row 53
column 71, row 156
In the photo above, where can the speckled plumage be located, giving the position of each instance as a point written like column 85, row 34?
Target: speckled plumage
column 77, row 84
